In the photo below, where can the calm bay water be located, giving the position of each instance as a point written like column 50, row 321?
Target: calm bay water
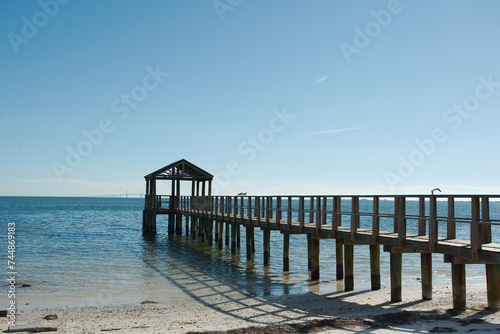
column 90, row 251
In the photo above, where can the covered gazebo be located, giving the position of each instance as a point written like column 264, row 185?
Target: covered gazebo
column 182, row 170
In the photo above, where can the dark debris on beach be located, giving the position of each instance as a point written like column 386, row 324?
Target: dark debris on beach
column 378, row 321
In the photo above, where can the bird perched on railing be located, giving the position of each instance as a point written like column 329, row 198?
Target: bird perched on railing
column 433, row 190
column 242, row 194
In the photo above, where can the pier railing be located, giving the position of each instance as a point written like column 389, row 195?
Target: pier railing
column 425, row 223
column 158, row 201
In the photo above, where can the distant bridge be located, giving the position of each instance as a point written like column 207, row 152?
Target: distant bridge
column 122, row 196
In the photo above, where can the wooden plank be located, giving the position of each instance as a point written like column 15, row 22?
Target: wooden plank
column 464, row 260
column 406, row 250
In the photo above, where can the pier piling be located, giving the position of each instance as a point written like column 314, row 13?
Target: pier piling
column 426, row 273
column 396, row 260
column 314, row 258
column 267, row 245
column 339, row 253
column 375, row 266
column 286, row 252
column 349, row 266
column 493, row 286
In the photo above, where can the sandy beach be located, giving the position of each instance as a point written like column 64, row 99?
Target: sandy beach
column 234, row 312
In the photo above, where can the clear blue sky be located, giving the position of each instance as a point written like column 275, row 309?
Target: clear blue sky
column 273, row 97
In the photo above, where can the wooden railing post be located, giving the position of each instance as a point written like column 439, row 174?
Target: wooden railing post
column 422, row 229
column 311, row 209
column 376, row 220
column 257, row 209
column 242, row 210
column 289, row 214
column 425, row 258
column 249, row 210
column 475, row 235
column 324, row 210
column 354, row 216
column 233, row 225
column 268, row 211
column 433, row 224
column 336, row 217
column 450, row 224
column 485, row 226
column 278, row 212
column 263, row 207
column 301, row 212
column 318, row 216
column 402, row 220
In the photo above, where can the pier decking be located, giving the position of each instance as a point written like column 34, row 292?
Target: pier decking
column 422, row 224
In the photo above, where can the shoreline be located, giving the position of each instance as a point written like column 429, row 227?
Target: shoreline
column 333, row 312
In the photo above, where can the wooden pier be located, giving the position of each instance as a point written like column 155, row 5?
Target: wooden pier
column 422, row 224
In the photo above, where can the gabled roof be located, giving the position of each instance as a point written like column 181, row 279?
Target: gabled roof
column 181, row 170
